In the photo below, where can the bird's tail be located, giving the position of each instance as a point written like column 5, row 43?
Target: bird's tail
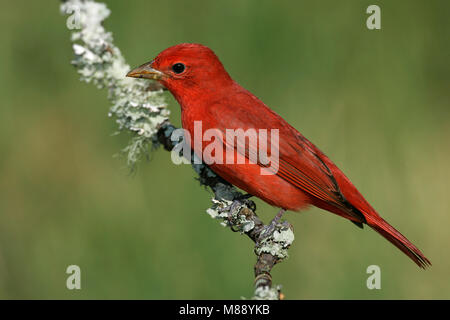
column 398, row 240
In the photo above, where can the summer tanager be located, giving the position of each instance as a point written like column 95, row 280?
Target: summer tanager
column 305, row 176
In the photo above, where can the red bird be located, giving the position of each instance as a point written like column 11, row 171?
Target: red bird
column 305, row 176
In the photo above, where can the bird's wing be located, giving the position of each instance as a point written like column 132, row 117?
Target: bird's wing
column 299, row 163
column 303, row 165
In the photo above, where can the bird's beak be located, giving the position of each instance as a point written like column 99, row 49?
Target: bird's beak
column 146, row 71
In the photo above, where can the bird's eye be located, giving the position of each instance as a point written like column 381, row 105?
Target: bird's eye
column 178, row 68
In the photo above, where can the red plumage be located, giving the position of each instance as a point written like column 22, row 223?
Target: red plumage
column 305, row 175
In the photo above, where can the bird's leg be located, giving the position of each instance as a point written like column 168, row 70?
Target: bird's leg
column 270, row 228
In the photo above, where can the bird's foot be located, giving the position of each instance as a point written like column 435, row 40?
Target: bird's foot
column 232, row 211
column 272, row 226
column 245, row 199
column 237, row 202
column 275, row 238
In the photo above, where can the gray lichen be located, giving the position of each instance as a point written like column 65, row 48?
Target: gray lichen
column 231, row 215
column 277, row 243
column 267, row 293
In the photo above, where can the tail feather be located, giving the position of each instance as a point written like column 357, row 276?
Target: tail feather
column 398, row 240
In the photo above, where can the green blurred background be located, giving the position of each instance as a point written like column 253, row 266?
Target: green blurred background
column 376, row 102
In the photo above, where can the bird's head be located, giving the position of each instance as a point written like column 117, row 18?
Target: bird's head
column 185, row 68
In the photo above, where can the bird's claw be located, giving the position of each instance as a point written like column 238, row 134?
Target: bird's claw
column 237, row 202
column 231, row 208
column 234, row 208
column 245, row 199
column 269, row 229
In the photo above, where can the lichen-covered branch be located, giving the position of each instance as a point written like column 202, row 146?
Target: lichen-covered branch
column 100, row 62
column 138, row 107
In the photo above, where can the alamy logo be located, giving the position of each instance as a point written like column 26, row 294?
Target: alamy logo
column 74, row 20
column 374, row 281
column 74, row 280
column 234, row 146
column 374, row 20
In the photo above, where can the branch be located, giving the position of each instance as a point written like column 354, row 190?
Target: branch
column 138, row 107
